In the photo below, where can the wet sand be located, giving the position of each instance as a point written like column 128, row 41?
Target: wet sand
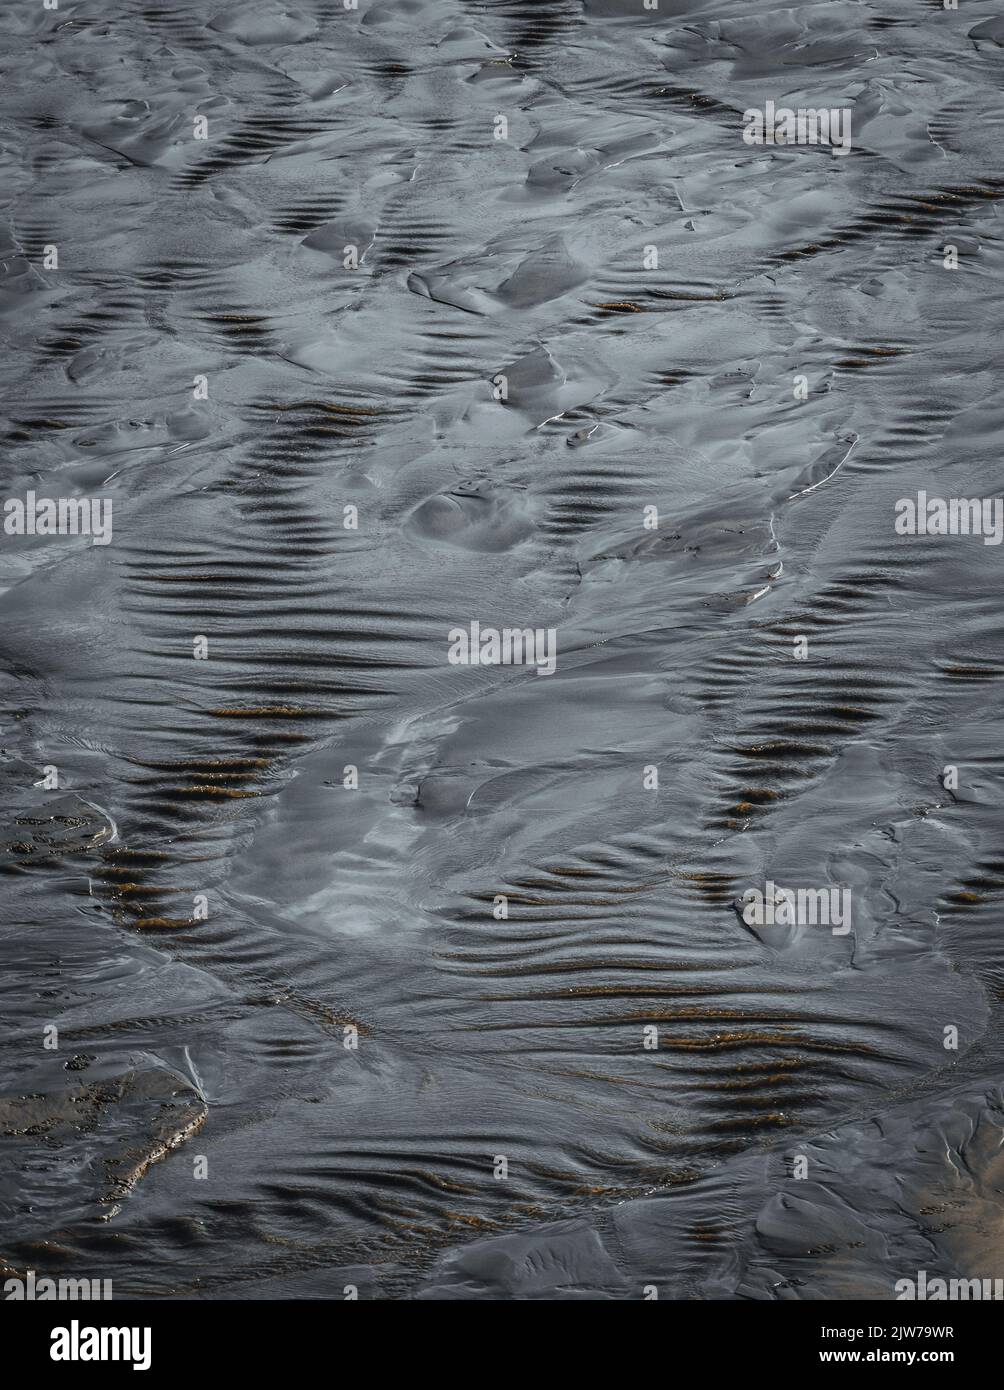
column 354, row 955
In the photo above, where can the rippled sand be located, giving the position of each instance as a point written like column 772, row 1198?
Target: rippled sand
column 308, row 990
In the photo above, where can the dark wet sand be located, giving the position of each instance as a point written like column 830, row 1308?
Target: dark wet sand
column 204, row 909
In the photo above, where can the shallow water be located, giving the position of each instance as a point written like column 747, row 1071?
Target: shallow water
column 298, row 1045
